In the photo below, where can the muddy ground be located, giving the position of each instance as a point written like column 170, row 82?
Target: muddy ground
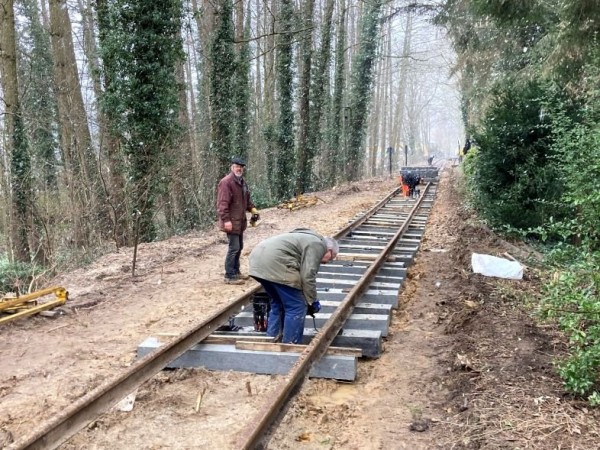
column 466, row 365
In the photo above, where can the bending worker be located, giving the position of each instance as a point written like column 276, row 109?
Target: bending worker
column 286, row 266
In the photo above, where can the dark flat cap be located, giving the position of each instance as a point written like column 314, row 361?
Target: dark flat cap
column 238, row 161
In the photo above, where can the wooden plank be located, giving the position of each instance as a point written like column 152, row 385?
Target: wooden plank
column 293, row 348
column 370, row 342
column 229, row 337
column 233, row 340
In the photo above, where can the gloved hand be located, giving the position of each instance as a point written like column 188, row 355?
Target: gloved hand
column 255, row 217
column 313, row 308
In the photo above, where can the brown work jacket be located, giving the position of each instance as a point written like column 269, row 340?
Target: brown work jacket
column 233, row 200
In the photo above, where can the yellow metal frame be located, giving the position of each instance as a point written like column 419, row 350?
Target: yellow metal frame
column 19, row 302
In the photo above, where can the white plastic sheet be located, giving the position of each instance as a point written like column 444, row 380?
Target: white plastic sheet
column 492, row 266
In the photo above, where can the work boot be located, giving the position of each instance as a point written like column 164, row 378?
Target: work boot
column 233, row 281
column 242, row 276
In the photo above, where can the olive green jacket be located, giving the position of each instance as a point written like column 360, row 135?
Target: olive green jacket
column 291, row 259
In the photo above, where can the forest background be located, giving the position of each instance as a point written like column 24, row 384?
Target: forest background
column 118, row 117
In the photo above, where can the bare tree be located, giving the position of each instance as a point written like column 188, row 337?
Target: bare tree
column 81, row 168
column 16, row 143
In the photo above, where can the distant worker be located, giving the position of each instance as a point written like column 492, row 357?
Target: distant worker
column 467, row 147
column 430, row 160
column 409, row 181
column 286, row 266
column 233, row 201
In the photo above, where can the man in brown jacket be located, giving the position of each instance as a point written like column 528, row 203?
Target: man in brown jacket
column 233, row 201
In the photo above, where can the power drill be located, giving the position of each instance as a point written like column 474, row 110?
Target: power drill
column 313, row 308
column 253, row 219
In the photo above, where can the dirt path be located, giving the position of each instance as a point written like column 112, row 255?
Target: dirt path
column 463, row 367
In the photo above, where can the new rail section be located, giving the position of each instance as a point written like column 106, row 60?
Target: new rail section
column 89, row 407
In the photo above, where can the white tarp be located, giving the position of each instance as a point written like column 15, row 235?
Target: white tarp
column 492, row 266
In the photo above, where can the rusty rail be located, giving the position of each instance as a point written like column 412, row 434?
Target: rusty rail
column 251, row 435
column 63, row 426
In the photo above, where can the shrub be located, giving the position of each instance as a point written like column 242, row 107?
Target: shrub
column 15, row 276
column 571, row 298
column 511, row 178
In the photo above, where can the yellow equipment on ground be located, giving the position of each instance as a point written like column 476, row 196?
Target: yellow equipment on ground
column 26, row 305
column 298, row 202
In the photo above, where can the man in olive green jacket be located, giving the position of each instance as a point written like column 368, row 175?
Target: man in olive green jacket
column 286, row 266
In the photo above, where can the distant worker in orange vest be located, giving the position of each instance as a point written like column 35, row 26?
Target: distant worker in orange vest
column 409, row 181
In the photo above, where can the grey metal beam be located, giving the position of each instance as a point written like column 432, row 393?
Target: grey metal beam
column 227, row 357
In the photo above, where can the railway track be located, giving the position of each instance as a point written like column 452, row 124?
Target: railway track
column 372, row 247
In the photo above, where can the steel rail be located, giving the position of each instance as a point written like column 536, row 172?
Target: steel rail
column 251, row 435
column 63, row 426
column 358, row 222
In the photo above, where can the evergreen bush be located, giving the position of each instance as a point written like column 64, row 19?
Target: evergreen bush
column 511, row 171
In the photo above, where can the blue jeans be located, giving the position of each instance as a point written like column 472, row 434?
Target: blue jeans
column 288, row 311
column 232, row 260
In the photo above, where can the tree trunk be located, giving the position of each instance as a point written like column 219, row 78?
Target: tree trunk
column 305, row 152
column 284, row 186
column 81, row 169
column 182, row 173
column 375, row 122
column 222, row 75
column 269, row 109
column 385, row 141
column 337, row 148
column 320, row 84
column 16, row 144
column 361, row 88
column 397, row 141
column 110, row 143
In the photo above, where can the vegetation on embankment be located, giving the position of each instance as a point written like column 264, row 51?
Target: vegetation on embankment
column 530, row 102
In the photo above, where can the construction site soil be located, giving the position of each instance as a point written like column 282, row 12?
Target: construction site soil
column 466, row 365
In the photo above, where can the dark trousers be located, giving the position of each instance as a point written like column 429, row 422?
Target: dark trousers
column 288, row 311
column 232, row 260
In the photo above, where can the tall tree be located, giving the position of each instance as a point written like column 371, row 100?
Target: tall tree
column 81, row 166
column 241, row 90
column 399, row 111
column 285, row 128
column 108, row 119
column 221, row 77
column 182, row 213
column 305, row 151
column 39, row 101
column 376, row 117
column 320, row 82
column 269, row 107
column 336, row 150
column 145, row 42
column 16, row 144
column 360, row 89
